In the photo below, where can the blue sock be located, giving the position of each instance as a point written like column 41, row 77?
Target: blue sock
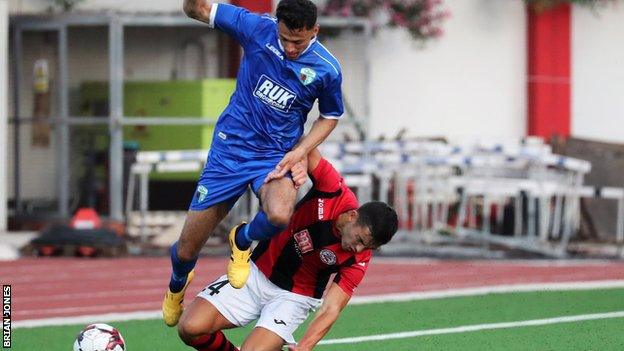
column 258, row 229
column 180, row 270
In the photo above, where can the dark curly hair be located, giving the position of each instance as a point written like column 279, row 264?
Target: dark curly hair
column 297, row 14
column 381, row 219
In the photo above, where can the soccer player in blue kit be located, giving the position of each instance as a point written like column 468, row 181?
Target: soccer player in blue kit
column 283, row 71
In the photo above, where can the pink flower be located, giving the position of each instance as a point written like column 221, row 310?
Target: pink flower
column 436, row 32
column 398, row 19
column 422, row 18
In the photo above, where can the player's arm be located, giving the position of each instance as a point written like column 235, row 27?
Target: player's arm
column 301, row 169
column 334, row 302
column 321, row 128
column 323, row 174
column 235, row 21
column 198, row 9
column 331, row 108
column 314, row 158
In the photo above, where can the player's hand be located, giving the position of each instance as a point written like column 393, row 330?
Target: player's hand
column 288, row 162
column 300, row 173
column 272, row 175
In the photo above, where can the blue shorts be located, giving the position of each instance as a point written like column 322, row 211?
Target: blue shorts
column 226, row 177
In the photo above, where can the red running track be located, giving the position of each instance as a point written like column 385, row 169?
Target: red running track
column 63, row 287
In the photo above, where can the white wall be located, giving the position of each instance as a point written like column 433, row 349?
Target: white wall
column 598, row 73
column 349, row 47
column 3, row 111
column 471, row 82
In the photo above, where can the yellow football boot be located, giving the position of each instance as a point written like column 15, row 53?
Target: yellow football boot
column 238, row 267
column 172, row 307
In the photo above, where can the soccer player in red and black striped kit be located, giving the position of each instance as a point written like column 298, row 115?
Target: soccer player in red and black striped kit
column 328, row 233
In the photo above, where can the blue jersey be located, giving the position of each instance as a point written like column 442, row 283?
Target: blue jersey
column 267, row 112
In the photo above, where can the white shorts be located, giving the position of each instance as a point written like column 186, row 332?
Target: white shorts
column 276, row 309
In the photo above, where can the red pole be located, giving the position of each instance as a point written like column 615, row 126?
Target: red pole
column 258, row 6
column 234, row 50
column 549, row 82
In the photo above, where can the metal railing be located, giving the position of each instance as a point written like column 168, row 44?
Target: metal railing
column 443, row 193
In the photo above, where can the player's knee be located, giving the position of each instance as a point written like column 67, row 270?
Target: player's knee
column 189, row 330
column 184, row 335
column 280, row 217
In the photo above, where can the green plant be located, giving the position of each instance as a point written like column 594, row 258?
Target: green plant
column 541, row 5
column 421, row 18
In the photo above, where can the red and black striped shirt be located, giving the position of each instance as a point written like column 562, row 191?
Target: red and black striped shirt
column 302, row 258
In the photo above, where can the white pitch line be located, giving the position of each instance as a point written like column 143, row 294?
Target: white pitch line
column 101, row 294
column 357, row 300
column 472, row 328
column 88, row 319
column 484, row 290
column 87, row 309
column 511, row 263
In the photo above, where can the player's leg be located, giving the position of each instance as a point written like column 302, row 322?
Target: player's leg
column 261, row 339
column 218, row 188
column 279, row 319
column 200, row 327
column 278, row 201
column 219, row 306
column 197, row 228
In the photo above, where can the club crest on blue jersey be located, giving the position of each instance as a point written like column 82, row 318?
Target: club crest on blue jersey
column 307, row 75
column 273, row 94
column 201, row 193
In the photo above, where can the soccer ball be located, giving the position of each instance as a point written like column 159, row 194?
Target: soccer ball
column 99, row 337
